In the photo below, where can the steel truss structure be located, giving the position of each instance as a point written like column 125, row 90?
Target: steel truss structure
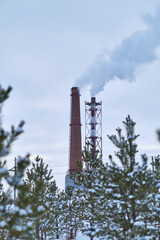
column 93, row 125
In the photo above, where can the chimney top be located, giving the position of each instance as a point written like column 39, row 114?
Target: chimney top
column 75, row 91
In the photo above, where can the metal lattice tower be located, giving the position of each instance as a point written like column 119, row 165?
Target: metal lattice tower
column 93, row 124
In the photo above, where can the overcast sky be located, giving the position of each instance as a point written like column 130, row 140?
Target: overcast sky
column 47, row 46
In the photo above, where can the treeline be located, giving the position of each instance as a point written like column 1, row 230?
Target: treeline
column 115, row 201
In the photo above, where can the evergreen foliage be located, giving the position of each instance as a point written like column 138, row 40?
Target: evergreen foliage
column 40, row 191
column 73, row 213
column 56, row 214
column 11, row 216
column 130, row 189
column 154, row 197
column 119, row 200
column 91, row 199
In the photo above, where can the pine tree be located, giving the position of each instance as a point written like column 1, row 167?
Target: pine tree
column 73, row 213
column 56, row 215
column 39, row 184
column 16, row 225
column 154, row 198
column 5, row 201
column 90, row 194
column 129, row 188
column 11, row 219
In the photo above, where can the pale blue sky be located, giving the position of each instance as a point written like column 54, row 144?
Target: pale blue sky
column 45, row 46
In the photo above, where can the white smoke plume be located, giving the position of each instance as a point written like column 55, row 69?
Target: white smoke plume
column 122, row 62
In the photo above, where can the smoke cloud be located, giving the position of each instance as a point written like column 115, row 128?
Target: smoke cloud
column 122, row 62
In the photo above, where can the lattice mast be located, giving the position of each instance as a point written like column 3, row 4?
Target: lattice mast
column 93, row 125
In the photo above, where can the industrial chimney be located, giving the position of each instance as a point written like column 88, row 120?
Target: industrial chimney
column 75, row 136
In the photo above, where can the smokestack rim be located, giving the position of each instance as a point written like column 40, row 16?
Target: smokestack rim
column 75, row 91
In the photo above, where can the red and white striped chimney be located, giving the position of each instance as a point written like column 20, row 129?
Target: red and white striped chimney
column 75, row 132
